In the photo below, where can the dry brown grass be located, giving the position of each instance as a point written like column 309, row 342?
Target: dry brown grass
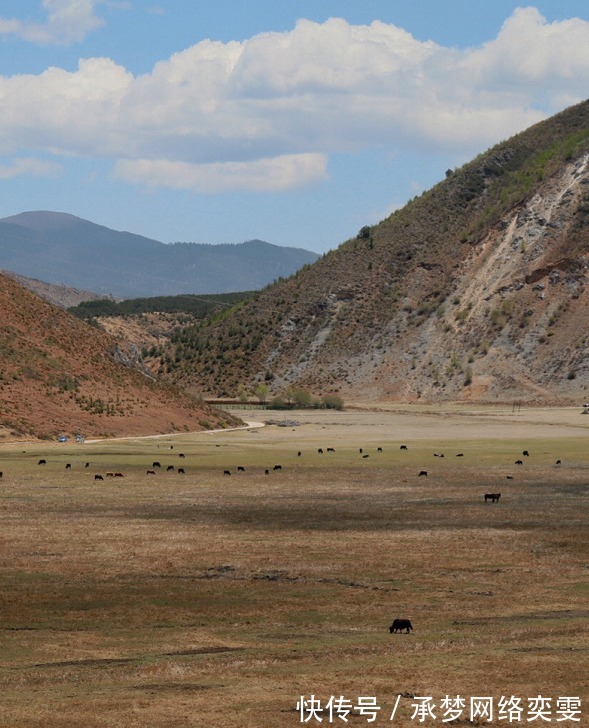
column 212, row 600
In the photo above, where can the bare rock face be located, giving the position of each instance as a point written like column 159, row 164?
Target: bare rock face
column 128, row 355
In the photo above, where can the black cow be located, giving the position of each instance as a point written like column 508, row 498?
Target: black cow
column 526, row 453
column 151, row 472
column 493, row 497
column 227, row 472
column 509, row 477
column 399, row 625
column 181, row 455
column 156, row 465
column 119, row 475
column 558, row 462
column 379, row 449
column 1, row 473
column 320, row 450
column 87, row 465
column 299, row 454
column 278, row 467
column 330, row 449
column 403, row 447
column 181, row 470
column 423, row 472
column 360, row 451
column 267, row 472
column 170, row 467
column 42, row 462
column 68, row 466
column 240, row 469
column 364, row 456
column 519, row 462
column 459, row 454
column 98, row 477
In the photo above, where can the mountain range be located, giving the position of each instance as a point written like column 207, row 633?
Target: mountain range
column 63, row 249
column 474, row 291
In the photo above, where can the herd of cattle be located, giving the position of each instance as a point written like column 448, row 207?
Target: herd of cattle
column 493, row 497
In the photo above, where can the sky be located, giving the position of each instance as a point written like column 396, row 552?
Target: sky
column 296, row 122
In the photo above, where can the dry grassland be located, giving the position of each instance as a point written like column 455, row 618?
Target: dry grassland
column 211, row 600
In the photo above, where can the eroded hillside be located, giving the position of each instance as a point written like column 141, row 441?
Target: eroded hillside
column 476, row 290
column 60, row 376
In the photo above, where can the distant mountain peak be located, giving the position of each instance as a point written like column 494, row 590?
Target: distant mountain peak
column 43, row 219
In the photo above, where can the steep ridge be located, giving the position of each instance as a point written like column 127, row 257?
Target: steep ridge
column 474, row 291
column 60, row 376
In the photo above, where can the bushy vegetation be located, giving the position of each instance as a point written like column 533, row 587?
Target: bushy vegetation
column 299, row 398
column 197, row 306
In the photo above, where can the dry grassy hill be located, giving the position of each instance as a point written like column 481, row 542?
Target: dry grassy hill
column 59, row 375
column 474, row 291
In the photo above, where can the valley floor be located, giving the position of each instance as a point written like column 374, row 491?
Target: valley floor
column 200, row 598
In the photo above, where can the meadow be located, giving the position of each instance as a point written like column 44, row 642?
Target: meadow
column 202, row 599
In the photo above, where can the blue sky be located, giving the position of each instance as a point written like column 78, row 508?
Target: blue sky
column 296, row 122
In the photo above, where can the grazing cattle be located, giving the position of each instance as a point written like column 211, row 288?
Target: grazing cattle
column 68, row 466
column 227, row 472
column 493, row 497
column 156, row 465
column 403, row 447
column 170, row 467
column 42, row 462
column 1, row 473
column 399, row 625
column 423, row 472
column 526, row 453
column 519, row 462
column 119, row 475
column 267, row 472
column 181, row 455
column 98, row 477
column 360, row 451
column 330, row 449
column 240, row 469
column 151, row 472
column 87, row 465
column 181, row 470
column 558, row 462
column 299, row 454
column 320, row 450
column 460, row 455
column 365, row 456
column 110, row 475
column 278, row 467
column 379, row 449
column 509, row 477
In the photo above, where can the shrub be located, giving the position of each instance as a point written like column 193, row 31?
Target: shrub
column 332, row 401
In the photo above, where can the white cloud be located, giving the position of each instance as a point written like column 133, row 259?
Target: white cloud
column 265, row 113
column 282, row 173
column 68, row 21
column 30, row 167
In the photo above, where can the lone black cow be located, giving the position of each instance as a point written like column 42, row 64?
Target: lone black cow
column 399, row 625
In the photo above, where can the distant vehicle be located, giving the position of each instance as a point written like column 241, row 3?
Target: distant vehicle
column 63, row 438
